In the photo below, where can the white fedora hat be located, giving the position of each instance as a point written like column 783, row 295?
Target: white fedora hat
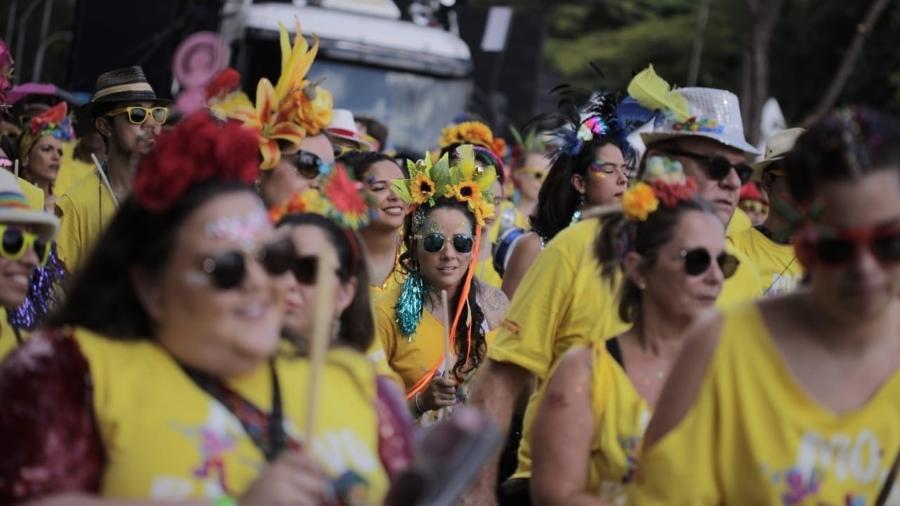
column 343, row 126
column 777, row 146
column 14, row 208
column 712, row 113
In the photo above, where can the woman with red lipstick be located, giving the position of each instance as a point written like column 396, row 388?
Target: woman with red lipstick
column 796, row 399
column 163, row 379
column 670, row 247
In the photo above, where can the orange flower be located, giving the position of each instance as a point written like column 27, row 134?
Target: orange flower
column 468, row 132
column 639, row 201
column 270, row 125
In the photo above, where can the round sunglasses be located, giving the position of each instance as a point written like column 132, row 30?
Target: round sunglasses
column 14, row 242
column 716, row 167
column 434, row 243
column 228, row 270
column 138, row 115
column 310, row 165
column 841, row 248
column 698, row 260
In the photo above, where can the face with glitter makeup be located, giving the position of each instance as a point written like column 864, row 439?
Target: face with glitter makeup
column 605, row 179
column 219, row 330
column 445, row 269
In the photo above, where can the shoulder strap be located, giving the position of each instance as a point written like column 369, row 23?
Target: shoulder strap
column 615, row 351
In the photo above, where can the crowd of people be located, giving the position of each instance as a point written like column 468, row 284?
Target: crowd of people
column 257, row 303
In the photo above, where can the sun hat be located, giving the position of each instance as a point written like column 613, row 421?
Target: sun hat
column 122, row 85
column 777, row 147
column 14, row 208
column 343, row 127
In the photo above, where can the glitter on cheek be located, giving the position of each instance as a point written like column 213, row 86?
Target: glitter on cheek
column 240, row 228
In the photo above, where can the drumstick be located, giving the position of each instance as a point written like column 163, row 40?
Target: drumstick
column 448, row 361
column 318, row 346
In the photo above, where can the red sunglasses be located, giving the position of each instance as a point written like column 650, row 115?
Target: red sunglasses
column 814, row 247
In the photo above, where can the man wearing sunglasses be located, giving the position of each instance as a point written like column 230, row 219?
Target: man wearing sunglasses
column 128, row 115
column 25, row 237
column 769, row 245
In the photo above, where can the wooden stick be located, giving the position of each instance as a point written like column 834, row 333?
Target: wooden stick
column 318, row 346
column 448, row 361
column 16, row 171
column 598, row 211
column 104, row 179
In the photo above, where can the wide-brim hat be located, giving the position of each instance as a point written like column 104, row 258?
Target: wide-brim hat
column 712, row 113
column 777, row 147
column 14, row 208
column 343, row 127
column 123, row 85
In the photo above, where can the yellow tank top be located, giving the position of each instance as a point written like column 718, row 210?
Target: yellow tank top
column 165, row 438
column 753, row 436
column 620, row 416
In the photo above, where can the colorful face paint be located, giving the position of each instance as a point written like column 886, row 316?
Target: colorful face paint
column 240, row 228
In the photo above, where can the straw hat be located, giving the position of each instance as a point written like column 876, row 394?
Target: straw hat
column 777, row 147
column 123, row 85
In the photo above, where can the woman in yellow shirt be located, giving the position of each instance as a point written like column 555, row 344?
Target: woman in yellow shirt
column 584, row 173
column 442, row 236
column 598, row 401
column 161, row 379
column 796, row 399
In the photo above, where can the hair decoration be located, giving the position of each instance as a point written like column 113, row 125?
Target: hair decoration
column 598, row 117
column 339, row 199
column 54, row 122
column 664, row 184
column 463, row 181
column 655, row 94
column 284, row 114
column 200, row 148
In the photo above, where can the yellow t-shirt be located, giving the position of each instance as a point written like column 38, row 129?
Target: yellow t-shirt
column 33, row 195
column 165, row 438
column 508, row 216
column 562, row 302
column 8, row 340
column 485, row 272
column 84, row 212
column 753, row 436
column 621, row 416
column 779, row 269
column 70, row 170
column 739, row 222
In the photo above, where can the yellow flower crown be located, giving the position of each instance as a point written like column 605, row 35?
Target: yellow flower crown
column 462, row 180
column 288, row 111
column 467, row 132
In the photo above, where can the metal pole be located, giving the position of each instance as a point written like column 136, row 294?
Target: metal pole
column 10, row 22
column 20, row 42
column 54, row 37
column 45, row 22
column 697, row 50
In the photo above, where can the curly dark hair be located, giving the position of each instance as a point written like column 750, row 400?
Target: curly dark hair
column 476, row 322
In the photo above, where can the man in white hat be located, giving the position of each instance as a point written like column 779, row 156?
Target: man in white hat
column 711, row 147
column 25, row 238
column 343, row 133
column 769, row 244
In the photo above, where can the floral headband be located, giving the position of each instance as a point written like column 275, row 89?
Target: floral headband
column 473, row 132
column 339, row 199
column 463, row 181
column 664, row 184
column 289, row 111
column 598, row 117
column 54, row 122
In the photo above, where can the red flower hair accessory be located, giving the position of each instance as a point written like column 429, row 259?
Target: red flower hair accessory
column 199, row 149
column 670, row 194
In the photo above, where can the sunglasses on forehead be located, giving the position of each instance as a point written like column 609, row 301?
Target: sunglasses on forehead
column 716, row 167
column 14, row 242
column 227, row 271
column 698, row 260
column 138, row 115
column 310, row 165
column 839, row 248
column 434, row 243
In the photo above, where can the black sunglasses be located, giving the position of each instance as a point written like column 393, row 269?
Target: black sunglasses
column 717, row 167
column 698, row 260
column 433, row 243
column 227, row 271
column 310, row 165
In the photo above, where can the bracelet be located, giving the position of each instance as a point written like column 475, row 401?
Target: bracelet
column 225, row 500
column 418, row 408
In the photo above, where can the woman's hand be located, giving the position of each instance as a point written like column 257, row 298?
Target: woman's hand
column 441, row 392
column 294, row 479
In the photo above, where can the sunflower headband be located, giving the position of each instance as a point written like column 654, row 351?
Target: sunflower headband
column 289, row 111
column 463, row 180
column 664, row 184
column 339, row 199
column 473, row 132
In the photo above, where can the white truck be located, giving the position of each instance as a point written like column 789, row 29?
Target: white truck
column 413, row 78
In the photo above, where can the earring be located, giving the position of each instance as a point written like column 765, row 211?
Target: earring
column 576, row 216
column 410, row 304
